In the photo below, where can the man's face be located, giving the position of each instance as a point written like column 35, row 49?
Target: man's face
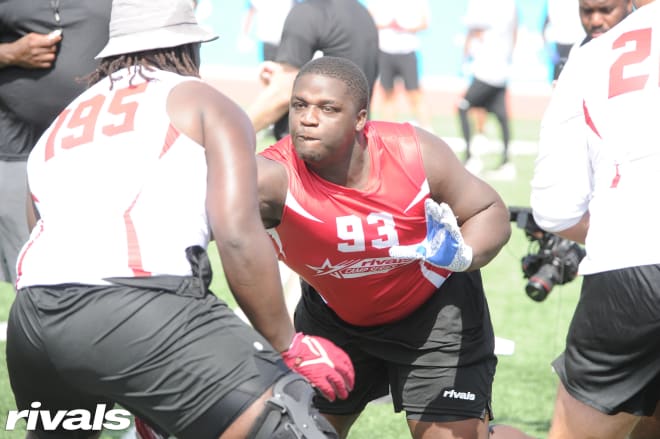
column 599, row 16
column 323, row 120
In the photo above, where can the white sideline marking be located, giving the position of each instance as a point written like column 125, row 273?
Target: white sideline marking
column 504, row 346
column 484, row 145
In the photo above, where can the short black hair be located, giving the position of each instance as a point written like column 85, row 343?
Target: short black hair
column 346, row 71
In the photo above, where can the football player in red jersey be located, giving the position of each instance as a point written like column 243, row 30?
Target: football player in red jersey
column 388, row 232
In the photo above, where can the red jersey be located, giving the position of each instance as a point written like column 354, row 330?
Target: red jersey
column 337, row 238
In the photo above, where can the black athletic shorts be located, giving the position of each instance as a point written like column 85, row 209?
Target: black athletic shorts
column 438, row 361
column 398, row 65
column 182, row 361
column 483, row 95
column 612, row 356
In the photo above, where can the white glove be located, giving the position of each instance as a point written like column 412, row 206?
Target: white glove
column 443, row 246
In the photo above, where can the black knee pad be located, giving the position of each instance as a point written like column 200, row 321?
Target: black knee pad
column 289, row 413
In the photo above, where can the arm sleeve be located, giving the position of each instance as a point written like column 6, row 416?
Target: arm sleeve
column 561, row 185
column 300, row 35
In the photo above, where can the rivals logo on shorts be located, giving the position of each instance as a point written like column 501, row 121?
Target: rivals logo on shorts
column 70, row 420
column 453, row 394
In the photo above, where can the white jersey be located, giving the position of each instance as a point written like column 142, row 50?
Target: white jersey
column 599, row 146
column 564, row 24
column 409, row 15
column 119, row 190
column 269, row 19
column 491, row 55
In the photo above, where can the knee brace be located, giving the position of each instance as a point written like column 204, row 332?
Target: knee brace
column 289, row 413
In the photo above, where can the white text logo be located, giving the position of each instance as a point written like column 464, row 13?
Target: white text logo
column 71, row 420
column 468, row 396
column 353, row 268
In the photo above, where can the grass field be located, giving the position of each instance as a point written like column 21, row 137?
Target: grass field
column 524, row 386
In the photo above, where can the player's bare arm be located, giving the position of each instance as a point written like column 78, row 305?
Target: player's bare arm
column 217, row 123
column 480, row 211
column 273, row 101
column 273, row 182
column 578, row 232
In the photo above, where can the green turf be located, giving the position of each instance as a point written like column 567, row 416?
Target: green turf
column 525, row 385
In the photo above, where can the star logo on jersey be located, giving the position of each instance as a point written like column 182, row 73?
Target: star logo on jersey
column 332, row 270
column 353, row 268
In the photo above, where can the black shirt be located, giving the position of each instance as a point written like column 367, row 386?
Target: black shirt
column 30, row 99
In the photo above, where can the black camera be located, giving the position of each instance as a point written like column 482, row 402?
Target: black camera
column 554, row 263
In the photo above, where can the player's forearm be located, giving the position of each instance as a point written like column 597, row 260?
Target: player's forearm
column 423, row 25
column 269, row 106
column 487, row 232
column 253, row 275
column 578, row 232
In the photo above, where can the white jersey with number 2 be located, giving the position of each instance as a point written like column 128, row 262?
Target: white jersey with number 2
column 599, row 148
column 119, row 190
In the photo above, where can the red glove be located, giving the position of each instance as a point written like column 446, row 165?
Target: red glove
column 322, row 363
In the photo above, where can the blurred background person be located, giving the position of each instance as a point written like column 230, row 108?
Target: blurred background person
column 398, row 24
column 266, row 18
column 491, row 36
column 561, row 30
column 341, row 28
column 596, row 18
column 599, row 16
column 45, row 46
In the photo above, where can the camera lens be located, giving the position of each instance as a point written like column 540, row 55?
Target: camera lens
column 541, row 283
column 537, row 290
